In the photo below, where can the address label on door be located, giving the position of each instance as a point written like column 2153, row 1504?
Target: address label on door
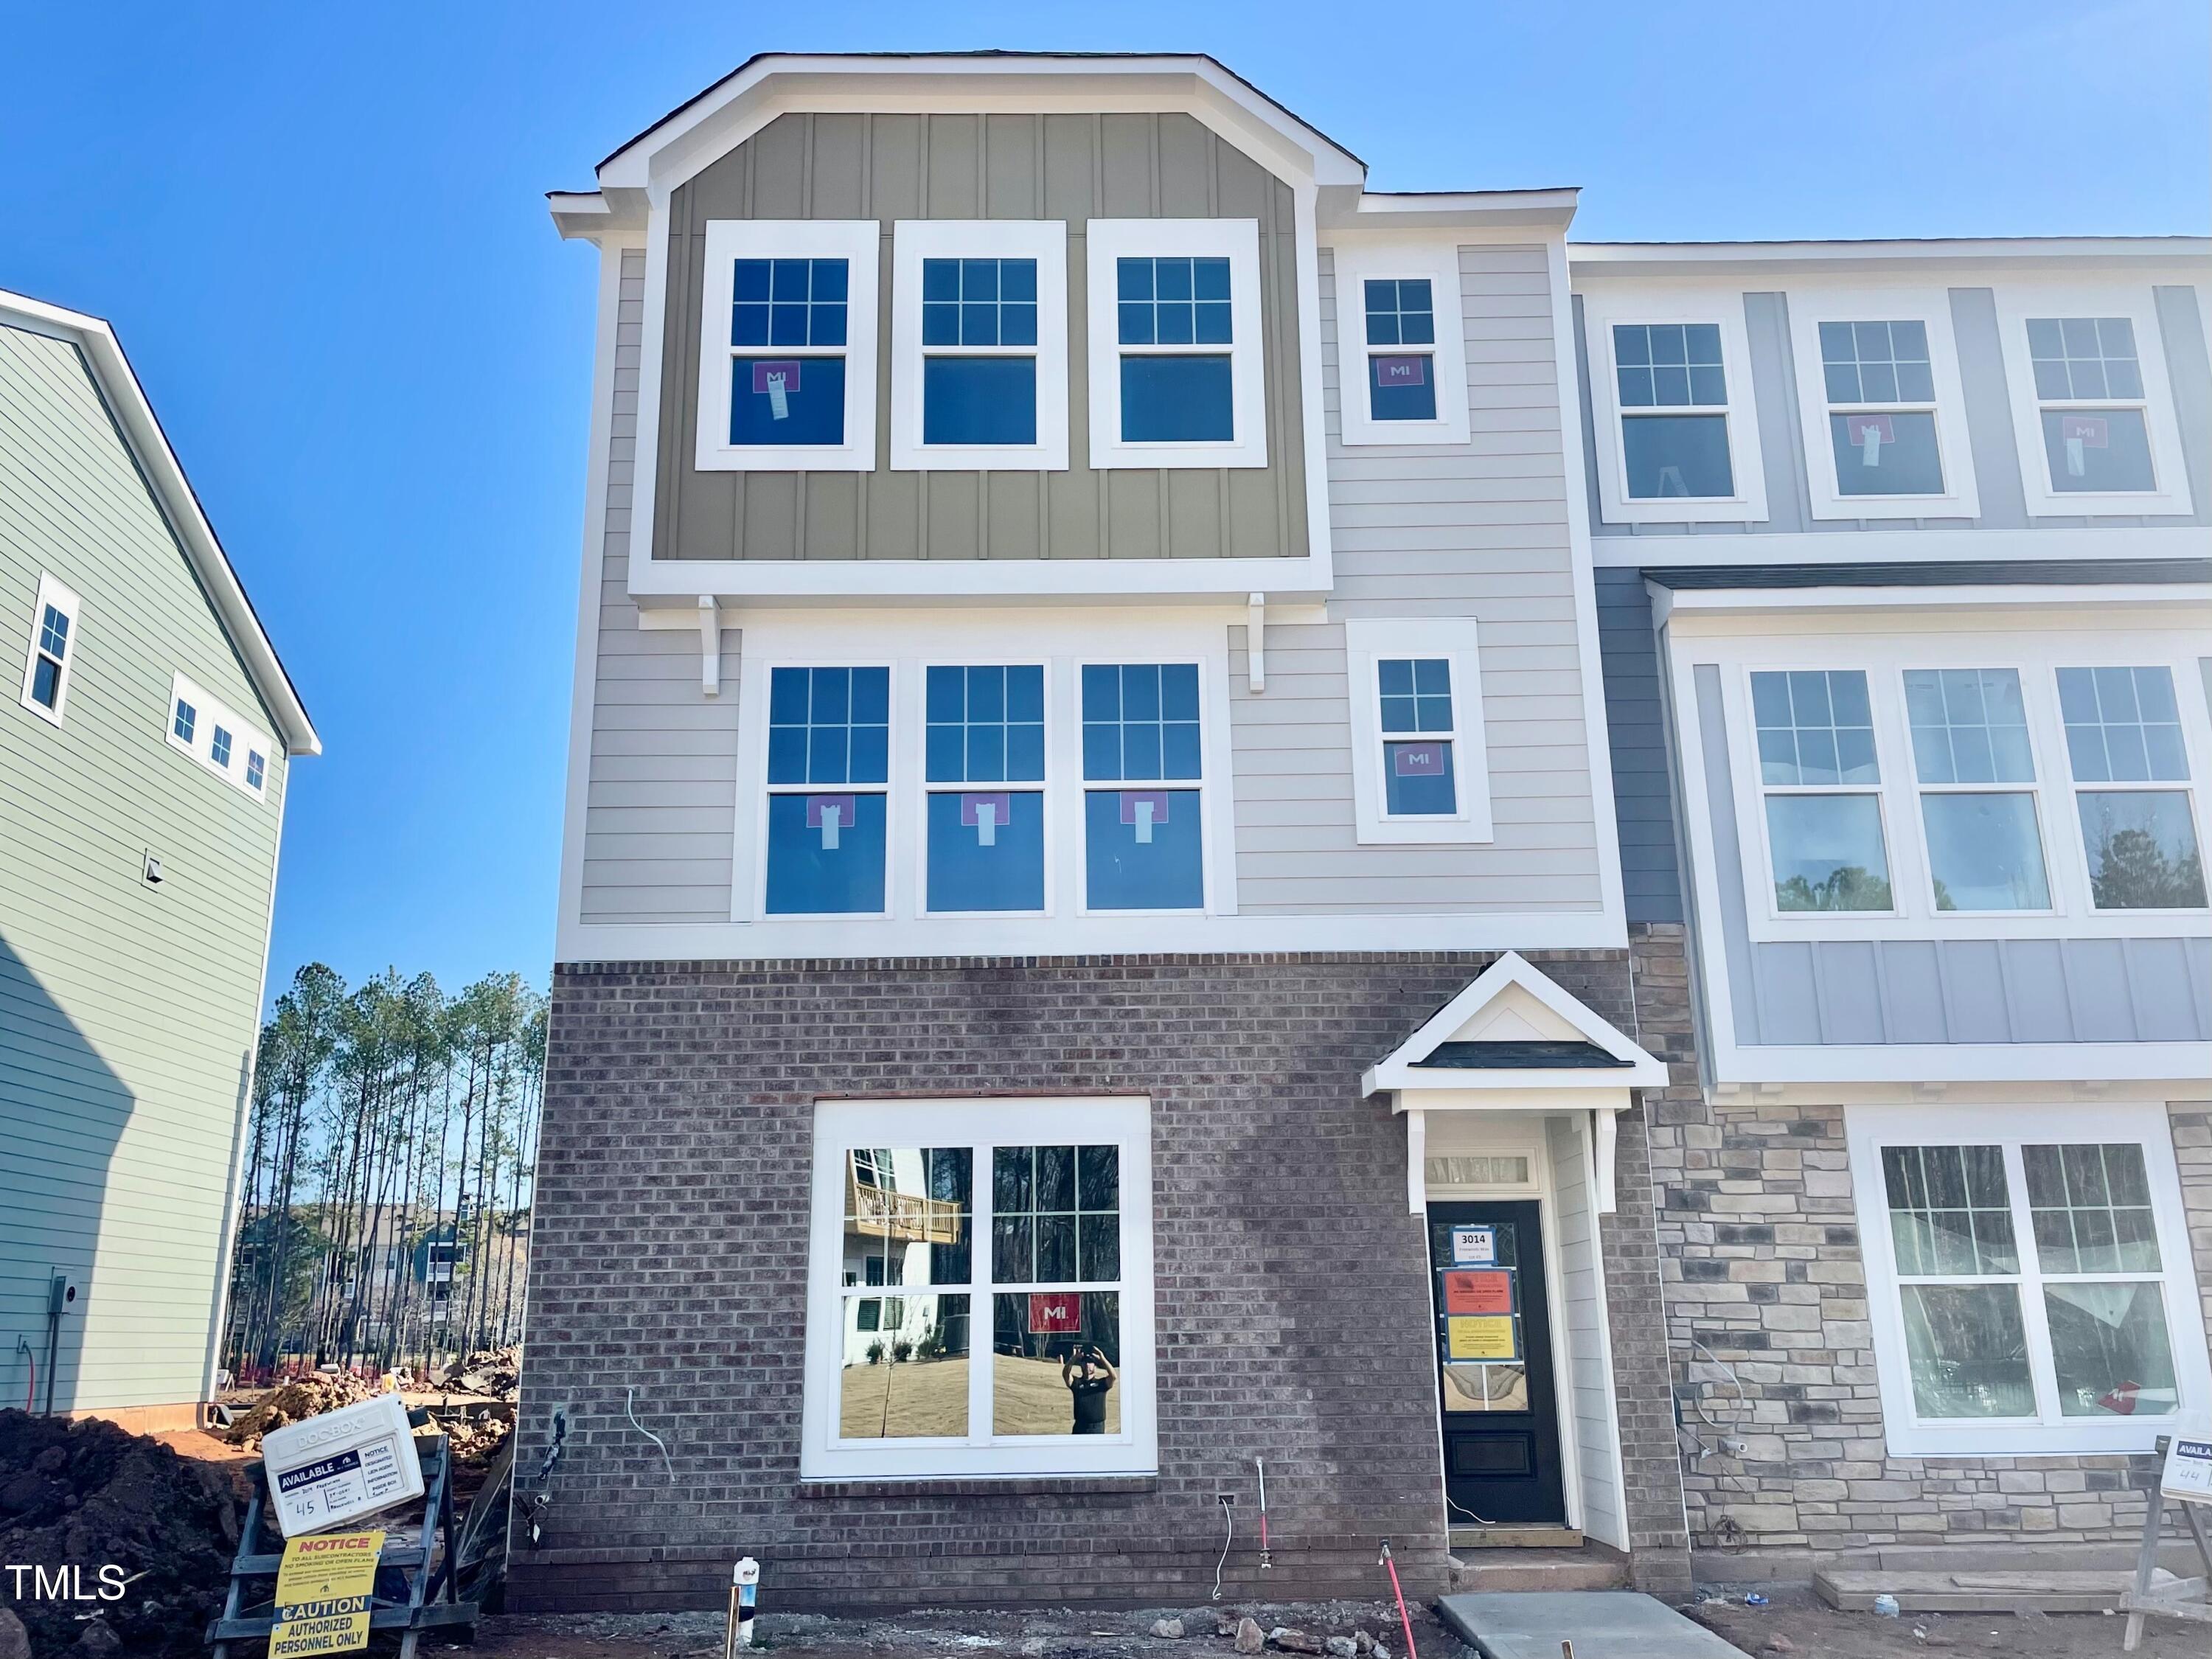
column 1481, row 1337
column 1474, row 1247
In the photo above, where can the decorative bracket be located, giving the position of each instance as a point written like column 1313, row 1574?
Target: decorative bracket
column 710, row 645
column 1256, row 641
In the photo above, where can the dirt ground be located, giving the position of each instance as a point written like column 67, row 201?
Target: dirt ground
column 1810, row 1629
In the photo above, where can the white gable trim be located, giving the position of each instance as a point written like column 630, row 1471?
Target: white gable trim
column 1399, row 1073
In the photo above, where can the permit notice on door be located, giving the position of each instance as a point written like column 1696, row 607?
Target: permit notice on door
column 322, row 1589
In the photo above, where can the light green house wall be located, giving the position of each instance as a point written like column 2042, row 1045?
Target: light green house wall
column 128, row 1012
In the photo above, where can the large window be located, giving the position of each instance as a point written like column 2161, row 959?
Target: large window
column 1177, row 370
column 981, row 1289
column 984, row 738
column 1144, row 778
column 1673, row 389
column 828, row 771
column 2032, row 1285
column 980, row 344
column 1819, row 776
column 1401, row 350
column 1969, row 741
column 2124, row 741
column 2092, row 405
column 787, row 372
column 46, row 665
column 1420, row 769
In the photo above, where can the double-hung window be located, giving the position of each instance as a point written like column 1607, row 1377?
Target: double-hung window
column 1420, row 771
column 46, row 668
column 980, row 344
column 1976, row 770
column 1882, row 403
column 984, row 766
column 1820, row 779
column 1677, row 435
column 787, row 356
column 2029, row 1274
column 2092, row 403
column 829, row 771
column 1401, row 352
column 2130, row 766
column 1177, row 378
column 980, row 1289
column 1880, row 388
column 1143, row 827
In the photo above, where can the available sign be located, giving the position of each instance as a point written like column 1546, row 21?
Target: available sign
column 2188, row 1473
column 323, row 1590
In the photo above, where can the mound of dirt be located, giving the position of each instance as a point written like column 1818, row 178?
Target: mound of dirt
column 295, row 1401
column 495, row 1373
column 89, row 1494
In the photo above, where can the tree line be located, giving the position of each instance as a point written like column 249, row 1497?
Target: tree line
column 385, row 1215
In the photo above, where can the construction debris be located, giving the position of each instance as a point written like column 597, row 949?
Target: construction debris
column 87, row 1495
column 493, row 1373
column 295, row 1401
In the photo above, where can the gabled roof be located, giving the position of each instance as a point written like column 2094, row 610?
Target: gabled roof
column 134, row 416
column 1514, row 1028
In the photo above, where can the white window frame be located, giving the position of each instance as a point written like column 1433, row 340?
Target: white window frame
column 1357, row 263
column 207, row 713
column 1209, row 783
column 2189, row 788
column 841, row 1126
column 857, row 241
column 2015, row 307
column 1369, row 641
column 1044, row 241
column 1602, row 310
column 2012, row 1125
column 2035, row 789
column 52, row 592
column 1107, row 240
column 1809, row 307
column 1049, row 787
column 2037, row 655
column 896, row 788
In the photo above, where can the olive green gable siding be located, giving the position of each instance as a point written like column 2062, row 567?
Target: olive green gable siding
column 128, row 1012
column 1075, row 167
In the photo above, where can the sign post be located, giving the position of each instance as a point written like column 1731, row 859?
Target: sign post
column 2184, row 1478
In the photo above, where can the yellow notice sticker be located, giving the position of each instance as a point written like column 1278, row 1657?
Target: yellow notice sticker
column 1484, row 1337
column 322, row 1594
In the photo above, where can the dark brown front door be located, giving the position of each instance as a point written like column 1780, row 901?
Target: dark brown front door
column 1501, row 1426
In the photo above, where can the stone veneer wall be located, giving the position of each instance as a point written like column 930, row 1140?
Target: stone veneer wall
column 1759, row 1253
column 670, row 1255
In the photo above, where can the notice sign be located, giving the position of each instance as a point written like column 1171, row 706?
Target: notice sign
column 2188, row 1473
column 1474, row 1247
column 1483, row 1338
column 1055, row 1314
column 323, row 1587
column 1490, row 1292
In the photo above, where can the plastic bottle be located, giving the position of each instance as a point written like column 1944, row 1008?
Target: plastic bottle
column 1885, row 1606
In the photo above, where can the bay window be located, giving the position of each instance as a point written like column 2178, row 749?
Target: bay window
column 980, row 1289
column 1970, row 737
column 1819, row 778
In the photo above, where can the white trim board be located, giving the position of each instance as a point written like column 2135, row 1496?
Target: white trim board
column 1663, row 551
column 1400, row 1071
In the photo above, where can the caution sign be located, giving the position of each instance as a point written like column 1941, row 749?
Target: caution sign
column 322, row 1589
column 1485, row 1337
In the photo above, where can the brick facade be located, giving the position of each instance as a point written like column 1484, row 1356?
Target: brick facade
column 1759, row 1248
column 669, row 1256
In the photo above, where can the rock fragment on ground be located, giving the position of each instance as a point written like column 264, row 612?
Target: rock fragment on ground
column 1293, row 1641
column 1170, row 1628
column 1250, row 1638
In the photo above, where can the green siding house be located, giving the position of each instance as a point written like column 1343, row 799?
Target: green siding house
column 144, row 759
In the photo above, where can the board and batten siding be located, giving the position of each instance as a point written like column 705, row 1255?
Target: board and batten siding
column 893, row 167
column 1475, row 530
column 128, row 1012
column 660, row 816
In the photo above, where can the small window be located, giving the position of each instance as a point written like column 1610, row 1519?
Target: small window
column 2090, row 399
column 1880, row 390
column 1401, row 351
column 1969, row 739
column 257, row 769
column 786, row 374
column 1821, row 779
column 829, row 770
column 1143, row 834
column 218, row 747
column 1674, row 409
column 980, row 345
column 46, row 668
column 1418, row 729
column 1177, row 373
column 983, row 733
column 2124, row 736
column 186, row 721
column 1402, row 384
column 1419, row 763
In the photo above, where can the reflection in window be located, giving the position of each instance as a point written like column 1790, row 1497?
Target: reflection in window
column 1673, row 366
column 1815, row 733
column 1056, row 1335
column 1881, row 400
column 2090, row 387
column 2123, row 727
column 1985, row 846
column 908, row 1226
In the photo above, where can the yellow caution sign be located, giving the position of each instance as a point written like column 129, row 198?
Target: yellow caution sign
column 322, row 1589
column 1484, row 1337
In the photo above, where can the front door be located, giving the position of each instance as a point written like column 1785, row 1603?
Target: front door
column 1493, row 1330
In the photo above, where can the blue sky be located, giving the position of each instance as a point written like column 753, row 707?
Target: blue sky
column 320, row 234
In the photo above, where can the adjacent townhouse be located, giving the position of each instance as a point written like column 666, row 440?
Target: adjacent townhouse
column 1106, row 943
column 146, row 755
column 1904, row 557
